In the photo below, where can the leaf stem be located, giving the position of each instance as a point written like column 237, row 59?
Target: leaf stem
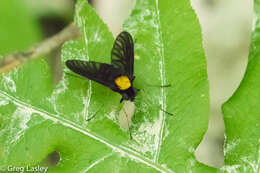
column 13, row 60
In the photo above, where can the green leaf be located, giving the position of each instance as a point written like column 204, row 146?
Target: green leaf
column 242, row 113
column 18, row 29
column 37, row 120
column 163, row 32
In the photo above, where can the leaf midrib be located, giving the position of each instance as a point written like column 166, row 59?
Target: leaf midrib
column 162, row 75
column 121, row 149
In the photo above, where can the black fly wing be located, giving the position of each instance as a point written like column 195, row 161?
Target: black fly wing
column 98, row 72
column 122, row 54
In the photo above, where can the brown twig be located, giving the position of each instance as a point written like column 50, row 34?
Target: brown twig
column 13, row 60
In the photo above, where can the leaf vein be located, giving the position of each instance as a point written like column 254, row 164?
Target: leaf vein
column 130, row 154
column 163, row 81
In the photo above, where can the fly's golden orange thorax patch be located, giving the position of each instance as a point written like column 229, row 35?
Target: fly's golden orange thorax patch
column 123, row 82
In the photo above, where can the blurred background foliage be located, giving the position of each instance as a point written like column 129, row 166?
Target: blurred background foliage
column 226, row 27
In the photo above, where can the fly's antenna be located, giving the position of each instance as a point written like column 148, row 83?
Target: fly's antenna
column 171, row 114
column 91, row 117
column 149, row 103
column 161, row 86
column 94, row 115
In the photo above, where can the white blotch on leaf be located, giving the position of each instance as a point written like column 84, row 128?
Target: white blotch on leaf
column 192, row 162
column 137, row 57
column 61, row 88
column 248, row 163
column 97, row 37
column 3, row 102
column 166, row 133
column 86, row 101
column 191, row 149
column 19, row 123
column 112, row 116
column 252, row 164
column 230, row 146
column 9, row 84
column 147, row 137
column 230, row 169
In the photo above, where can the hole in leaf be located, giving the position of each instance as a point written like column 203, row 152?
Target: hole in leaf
column 52, row 159
column 212, row 143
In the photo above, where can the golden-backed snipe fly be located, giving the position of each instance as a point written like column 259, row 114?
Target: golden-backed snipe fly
column 119, row 75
